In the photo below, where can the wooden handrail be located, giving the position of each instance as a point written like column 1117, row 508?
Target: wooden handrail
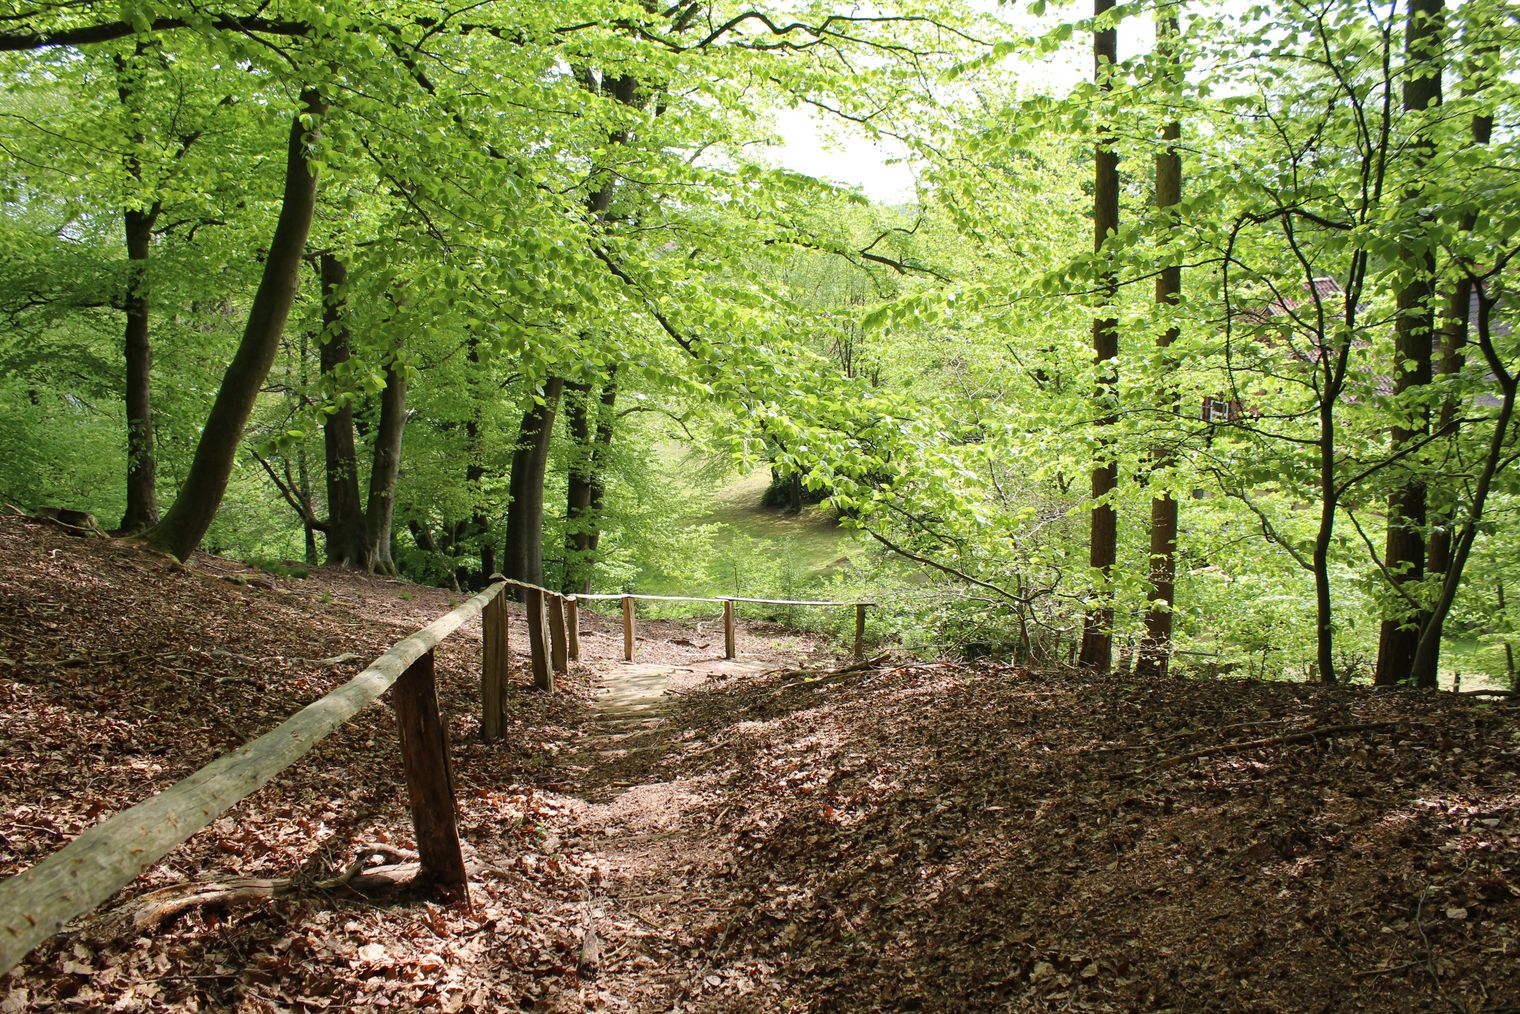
column 554, row 616
column 608, row 597
column 727, row 601
column 37, row 902
column 619, row 596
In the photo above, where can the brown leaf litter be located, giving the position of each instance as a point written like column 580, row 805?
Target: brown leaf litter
column 785, row 833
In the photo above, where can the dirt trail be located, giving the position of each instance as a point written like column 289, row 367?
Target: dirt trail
column 644, row 915
column 122, row 672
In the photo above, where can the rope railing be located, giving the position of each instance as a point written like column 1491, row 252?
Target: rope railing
column 79, row 877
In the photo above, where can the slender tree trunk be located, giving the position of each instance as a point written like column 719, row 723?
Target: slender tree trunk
column 142, row 465
column 137, row 351
column 303, row 473
column 1509, row 649
column 480, row 521
column 386, row 467
column 1454, row 340
column 1324, row 617
column 1097, row 632
column 578, row 566
column 347, row 538
column 524, row 555
column 1428, row 650
column 185, row 524
column 584, row 500
column 308, row 528
column 1404, row 552
column 604, row 431
column 1156, row 648
column 1450, row 363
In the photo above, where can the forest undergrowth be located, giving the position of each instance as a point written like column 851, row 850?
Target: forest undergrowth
column 793, row 834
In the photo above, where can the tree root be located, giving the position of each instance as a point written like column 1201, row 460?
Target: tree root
column 400, row 867
column 817, row 674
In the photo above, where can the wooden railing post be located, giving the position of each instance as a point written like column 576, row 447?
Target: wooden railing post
column 627, row 628
column 39, row 901
column 533, row 601
column 860, row 632
column 728, row 628
column 429, row 781
column 493, row 668
column 573, row 627
column 559, row 656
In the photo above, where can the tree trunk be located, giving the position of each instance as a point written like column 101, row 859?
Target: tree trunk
column 1428, row 650
column 385, row 468
column 1156, row 648
column 524, row 555
column 142, row 467
column 309, row 523
column 347, row 536
column 1404, row 551
column 137, row 352
column 1450, row 363
column 1324, row 616
column 1454, row 340
column 583, row 504
column 1097, row 630
column 583, row 501
column 183, row 527
column 1509, row 649
column 480, row 521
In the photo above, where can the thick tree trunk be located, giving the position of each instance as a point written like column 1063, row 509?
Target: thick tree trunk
column 347, row 537
column 524, row 555
column 1404, row 551
column 1156, row 648
column 583, row 504
column 1097, row 631
column 183, row 527
column 385, row 468
column 142, row 468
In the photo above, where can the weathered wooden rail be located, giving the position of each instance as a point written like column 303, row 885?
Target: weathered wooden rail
column 37, row 902
column 554, row 623
column 728, row 603
column 78, row 878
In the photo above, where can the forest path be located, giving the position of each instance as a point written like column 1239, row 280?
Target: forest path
column 644, row 912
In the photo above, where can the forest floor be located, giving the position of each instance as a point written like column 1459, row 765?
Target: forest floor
column 775, row 833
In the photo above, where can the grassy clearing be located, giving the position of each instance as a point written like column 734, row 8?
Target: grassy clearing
column 752, row 550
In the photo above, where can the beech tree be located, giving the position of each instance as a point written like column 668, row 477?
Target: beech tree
column 1097, row 632
column 569, row 223
column 1404, row 552
column 1155, row 649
